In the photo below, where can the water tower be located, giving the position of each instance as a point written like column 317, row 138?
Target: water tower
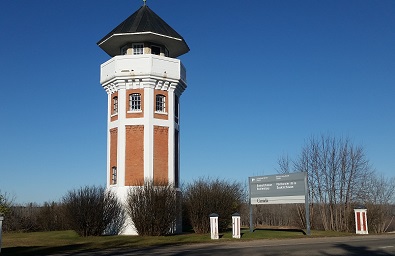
column 144, row 81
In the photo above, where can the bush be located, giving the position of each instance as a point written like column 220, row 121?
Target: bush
column 205, row 196
column 32, row 217
column 51, row 217
column 153, row 208
column 92, row 211
column 22, row 218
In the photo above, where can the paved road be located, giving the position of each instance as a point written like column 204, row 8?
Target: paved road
column 373, row 245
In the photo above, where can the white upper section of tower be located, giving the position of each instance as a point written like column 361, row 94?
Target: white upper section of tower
column 138, row 66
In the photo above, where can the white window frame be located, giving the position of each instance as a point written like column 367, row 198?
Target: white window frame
column 115, row 105
column 135, row 102
column 114, row 174
column 160, row 103
column 138, row 48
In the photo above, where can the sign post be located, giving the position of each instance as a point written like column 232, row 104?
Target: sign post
column 361, row 221
column 214, row 226
column 236, row 225
column 307, row 205
column 289, row 188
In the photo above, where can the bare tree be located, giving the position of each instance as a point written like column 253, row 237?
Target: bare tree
column 378, row 197
column 153, row 208
column 284, row 164
column 275, row 215
column 22, row 218
column 336, row 172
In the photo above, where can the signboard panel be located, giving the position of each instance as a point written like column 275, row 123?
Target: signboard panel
column 287, row 188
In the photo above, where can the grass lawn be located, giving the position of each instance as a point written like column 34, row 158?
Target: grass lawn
column 45, row 243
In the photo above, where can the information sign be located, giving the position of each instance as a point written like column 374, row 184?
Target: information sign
column 287, row 188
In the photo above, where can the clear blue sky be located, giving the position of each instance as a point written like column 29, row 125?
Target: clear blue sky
column 263, row 77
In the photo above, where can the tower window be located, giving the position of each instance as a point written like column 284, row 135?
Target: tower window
column 115, row 105
column 114, row 175
column 155, row 50
column 135, row 102
column 138, row 49
column 124, row 51
column 160, row 103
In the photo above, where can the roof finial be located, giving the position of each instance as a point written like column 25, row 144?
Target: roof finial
column 145, row 1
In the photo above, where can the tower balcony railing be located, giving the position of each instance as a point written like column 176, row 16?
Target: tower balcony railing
column 129, row 66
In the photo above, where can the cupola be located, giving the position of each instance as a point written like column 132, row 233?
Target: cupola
column 144, row 32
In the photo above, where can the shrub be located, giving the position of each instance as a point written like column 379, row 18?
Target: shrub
column 205, row 196
column 51, row 217
column 153, row 208
column 92, row 211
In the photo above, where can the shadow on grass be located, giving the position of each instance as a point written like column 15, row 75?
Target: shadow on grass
column 282, row 229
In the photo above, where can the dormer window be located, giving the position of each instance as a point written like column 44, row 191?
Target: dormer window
column 155, row 50
column 138, row 49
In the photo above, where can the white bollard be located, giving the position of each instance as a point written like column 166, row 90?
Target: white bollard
column 361, row 221
column 1, row 229
column 214, row 226
column 236, row 225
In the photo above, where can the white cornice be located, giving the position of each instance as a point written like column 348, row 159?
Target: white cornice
column 156, row 83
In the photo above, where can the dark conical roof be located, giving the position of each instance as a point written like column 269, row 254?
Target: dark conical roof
column 143, row 20
column 143, row 25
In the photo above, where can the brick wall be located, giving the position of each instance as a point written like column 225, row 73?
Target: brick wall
column 161, row 153
column 134, row 155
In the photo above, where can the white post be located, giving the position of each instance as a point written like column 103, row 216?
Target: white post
column 214, row 226
column 361, row 221
column 1, row 229
column 236, row 225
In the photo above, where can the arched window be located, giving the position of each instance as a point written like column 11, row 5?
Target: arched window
column 160, row 103
column 115, row 105
column 114, row 175
column 135, row 102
